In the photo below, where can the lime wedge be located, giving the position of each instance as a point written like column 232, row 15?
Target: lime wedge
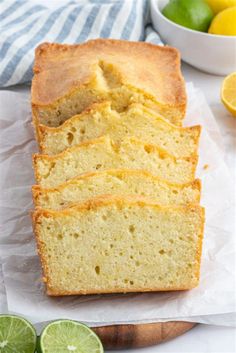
column 16, row 335
column 66, row 336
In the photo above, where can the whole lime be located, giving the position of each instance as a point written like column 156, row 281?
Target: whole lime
column 193, row 14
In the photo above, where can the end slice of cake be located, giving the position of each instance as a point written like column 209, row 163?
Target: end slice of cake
column 136, row 121
column 69, row 78
column 102, row 154
column 112, row 244
column 116, row 182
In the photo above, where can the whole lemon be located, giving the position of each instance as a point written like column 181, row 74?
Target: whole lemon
column 224, row 22
column 193, row 14
column 220, row 5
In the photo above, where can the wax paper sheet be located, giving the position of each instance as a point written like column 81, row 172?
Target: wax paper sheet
column 214, row 299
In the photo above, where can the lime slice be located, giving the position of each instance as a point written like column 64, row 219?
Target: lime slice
column 16, row 335
column 66, row 336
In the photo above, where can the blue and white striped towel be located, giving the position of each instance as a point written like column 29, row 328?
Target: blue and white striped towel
column 24, row 24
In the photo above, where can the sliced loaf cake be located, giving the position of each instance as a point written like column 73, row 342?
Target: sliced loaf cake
column 116, row 182
column 136, row 121
column 69, row 78
column 102, row 154
column 112, row 244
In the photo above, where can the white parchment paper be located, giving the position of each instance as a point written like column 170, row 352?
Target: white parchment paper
column 209, row 303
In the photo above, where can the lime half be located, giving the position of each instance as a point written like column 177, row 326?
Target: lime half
column 66, row 336
column 16, row 335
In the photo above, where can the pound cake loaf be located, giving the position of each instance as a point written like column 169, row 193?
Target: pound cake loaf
column 137, row 121
column 102, row 154
column 69, row 78
column 116, row 182
column 114, row 244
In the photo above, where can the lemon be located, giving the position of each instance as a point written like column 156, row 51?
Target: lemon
column 193, row 14
column 224, row 23
column 220, row 5
column 228, row 93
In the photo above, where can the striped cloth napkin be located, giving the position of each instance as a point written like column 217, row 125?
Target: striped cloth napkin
column 25, row 23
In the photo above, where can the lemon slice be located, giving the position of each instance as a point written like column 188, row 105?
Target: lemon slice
column 66, row 336
column 228, row 93
column 224, row 23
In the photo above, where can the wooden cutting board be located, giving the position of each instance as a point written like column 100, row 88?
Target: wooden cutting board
column 141, row 335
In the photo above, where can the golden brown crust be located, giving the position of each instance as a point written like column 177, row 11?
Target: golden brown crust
column 54, row 293
column 196, row 184
column 40, row 249
column 161, row 78
column 200, row 243
column 98, row 107
column 37, row 190
column 120, row 201
column 102, row 201
column 104, row 138
column 43, row 130
column 163, row 153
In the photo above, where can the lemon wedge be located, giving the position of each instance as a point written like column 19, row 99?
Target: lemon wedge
column 224, row 23
column 220, row 5
column 228, row 93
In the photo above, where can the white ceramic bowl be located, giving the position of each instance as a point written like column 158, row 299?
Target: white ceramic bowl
column 210, row 53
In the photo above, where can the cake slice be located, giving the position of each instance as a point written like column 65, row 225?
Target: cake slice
column 113, row 244
column 116, row 182
column 69, row 78
column 102, row 154
column 137, row 121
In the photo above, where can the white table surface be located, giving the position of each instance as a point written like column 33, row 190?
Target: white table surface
column 206, row 338
column 202, row 338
